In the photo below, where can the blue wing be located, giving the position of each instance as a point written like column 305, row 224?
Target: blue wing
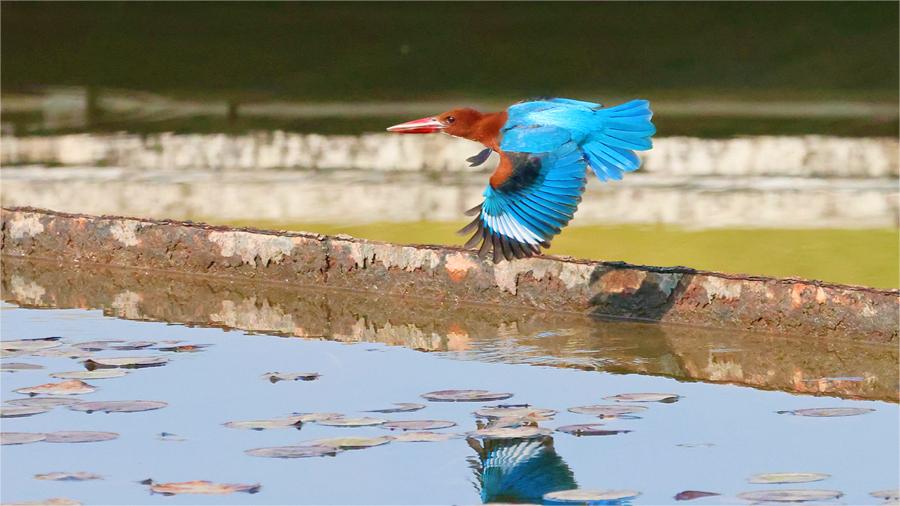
column 534, row 197
column 607, row 137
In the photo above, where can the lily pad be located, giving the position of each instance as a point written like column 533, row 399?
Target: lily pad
column 424, row 437
column 132, row 345
column 644, row 397
column 827, row 412
column 201, row 487
column 76, row 436
column 607, row 410
column 124, row 362
column 31, row 344
column 289, row 422
column 589, row 429
column 20, row 411
column 583, row 495
column 515, row 412
column 92, row 375
column 63, row 352
column 779, row 478
column 43, row 402
column 887, row 495
column 790, row 495
column 61, row 476
column 400, row 407
column 118, row 406
column 363, row 421
column 418, row 424
column 689, row 495
column 53, row 501
column 526, row 432
column 184, row 348
column 275, row 377
column 352, row 443
column 20, row 438
column 98, row 345
column 465, row 396
column 68, row 387
column 294, row 452
column 19, row 366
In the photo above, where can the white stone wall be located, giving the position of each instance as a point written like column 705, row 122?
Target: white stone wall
column 809, row 156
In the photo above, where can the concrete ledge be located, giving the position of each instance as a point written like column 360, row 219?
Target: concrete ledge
column 805, row 308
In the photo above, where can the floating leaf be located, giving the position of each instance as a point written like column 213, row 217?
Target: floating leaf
column 526, row 432
column 184, row 348
column 20, row 438
column 424, row 437
column 275, row 377
column 644, row 397
column 31, row 344
column 63, row 351
column 315, row 417
column 401, row 407
column 362, row 421
column 19, row 366
column 887, row 495
column 54, row 501
column 290, row 422
column 44, row 402
column 294, row 452
column 69, row 387
column 788, row 495
column 201, row 487
column 92, row 375
column 418, row 424
column 352, row 443
column 61, row 476
column 98, row 345
column 125, row 362
column 515, row 412
column 168, row 436
column 777, row 478
column 19, row 411
column 583, row 495
column 465, row 396
column 827, row 412
column 589, row 429
column 76, row 436
column 132, row 345
column 607, row 411
column 689, row 495
column 118, row 406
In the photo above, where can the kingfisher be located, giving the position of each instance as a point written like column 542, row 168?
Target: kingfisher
column 545, row 148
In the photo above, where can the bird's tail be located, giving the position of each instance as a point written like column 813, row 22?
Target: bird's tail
column 621, row 130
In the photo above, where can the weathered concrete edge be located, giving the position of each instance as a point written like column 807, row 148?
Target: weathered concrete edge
column 805, row 308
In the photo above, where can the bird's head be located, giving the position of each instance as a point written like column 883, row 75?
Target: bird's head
column 455, row 122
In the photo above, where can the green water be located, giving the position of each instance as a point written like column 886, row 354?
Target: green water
column 868, row 257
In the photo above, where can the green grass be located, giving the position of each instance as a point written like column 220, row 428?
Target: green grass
column 868, row 257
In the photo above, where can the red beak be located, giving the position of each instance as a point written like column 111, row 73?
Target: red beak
column 419, row 126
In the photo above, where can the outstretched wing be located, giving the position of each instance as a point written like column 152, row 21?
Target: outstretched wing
column 530, row 198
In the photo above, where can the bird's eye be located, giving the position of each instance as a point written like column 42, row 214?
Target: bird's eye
column 450, row 119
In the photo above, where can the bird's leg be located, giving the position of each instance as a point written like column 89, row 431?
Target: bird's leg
column 480, row 158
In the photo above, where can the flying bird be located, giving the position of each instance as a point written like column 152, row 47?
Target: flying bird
column 545, row 148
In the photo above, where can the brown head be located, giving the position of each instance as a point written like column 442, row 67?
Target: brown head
column 462, row 122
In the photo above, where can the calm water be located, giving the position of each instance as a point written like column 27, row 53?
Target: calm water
column 737, row 428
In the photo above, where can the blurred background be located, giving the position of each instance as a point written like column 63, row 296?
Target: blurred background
column 777, row 150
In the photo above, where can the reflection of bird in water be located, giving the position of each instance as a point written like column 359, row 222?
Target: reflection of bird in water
column 518, row 470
